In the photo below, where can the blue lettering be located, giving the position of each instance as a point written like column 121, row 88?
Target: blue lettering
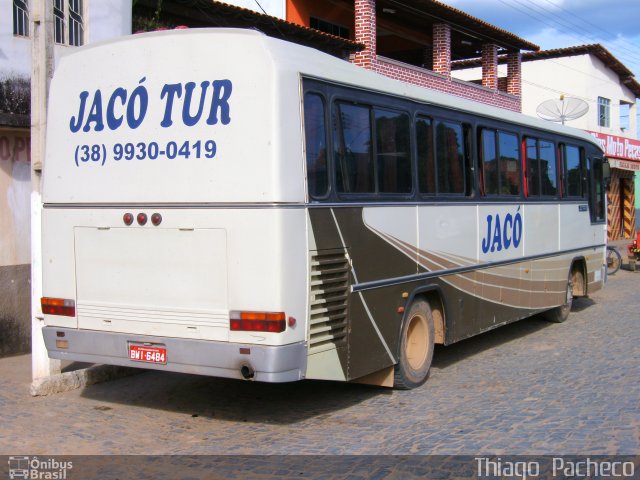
column 497, row 240
column 114, row 122
column 76, row 122
column 170, row 90
column 517, row 230
column 486, row 241
column 508, row 220
column 187, row 119
column 95, row 114
column 502, row 235
column 140, row 94
column 220, row 101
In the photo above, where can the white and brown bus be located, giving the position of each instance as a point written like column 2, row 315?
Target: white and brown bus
column 224, row 203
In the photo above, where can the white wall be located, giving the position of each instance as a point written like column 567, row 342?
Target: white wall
column 275, row 8
column 581, row 76
column 15, row 52
column 104, row 19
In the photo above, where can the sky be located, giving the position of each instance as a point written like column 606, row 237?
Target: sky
column 615, row 24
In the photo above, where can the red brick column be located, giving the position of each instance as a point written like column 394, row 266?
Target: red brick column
column 442, row 49
column 490, row 66
column 514, row 73
column 365, row 22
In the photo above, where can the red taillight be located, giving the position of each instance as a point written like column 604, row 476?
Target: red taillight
column 156, row 219
column 142, row 218
column 58, row 306
column 273, row 322
column 127, row 218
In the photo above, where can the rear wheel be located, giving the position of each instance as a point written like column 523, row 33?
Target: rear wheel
column 416, row 347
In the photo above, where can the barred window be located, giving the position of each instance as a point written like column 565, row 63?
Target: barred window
column 58, row 21
column 604, row 112
column 76, row 24
column 21, row 18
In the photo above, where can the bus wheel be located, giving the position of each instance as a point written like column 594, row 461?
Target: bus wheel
column 561, row 313
column 416, row 347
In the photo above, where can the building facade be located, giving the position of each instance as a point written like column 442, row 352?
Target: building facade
column 414, row 42
column 75, row 22
column 599, row 81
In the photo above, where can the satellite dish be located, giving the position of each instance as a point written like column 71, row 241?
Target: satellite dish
column 562, row 109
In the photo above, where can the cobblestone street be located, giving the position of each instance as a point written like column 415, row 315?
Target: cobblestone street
column 528, row 388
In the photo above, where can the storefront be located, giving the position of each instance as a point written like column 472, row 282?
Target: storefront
column 624, row 157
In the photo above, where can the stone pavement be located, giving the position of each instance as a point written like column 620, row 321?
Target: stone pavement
column 527, row 388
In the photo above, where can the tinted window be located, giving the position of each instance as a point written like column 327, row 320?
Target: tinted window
column 393, row 151
column 542, row 167
column 533, row 172
column 548, row 168
column 598, row 208
column 509, row 164
column 572, row 171
column 315, row 144
column 354, row 163
column 490, row 176
column 426, row 163
column 450, row 157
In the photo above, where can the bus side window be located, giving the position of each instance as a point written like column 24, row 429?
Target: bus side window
column 533, row 167
column 598, row 197
column 489, row 159
column 548, row 168
column 316, row 145
column 572, row 171
column 393, row 152
column 500, row 163
column 426, row 163
column 509, row 163
column 450, row 158
column 353, row 149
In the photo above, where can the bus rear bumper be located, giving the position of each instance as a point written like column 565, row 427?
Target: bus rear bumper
column 276, row 364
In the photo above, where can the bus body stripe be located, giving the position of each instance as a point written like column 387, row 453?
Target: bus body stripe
column 359, row 287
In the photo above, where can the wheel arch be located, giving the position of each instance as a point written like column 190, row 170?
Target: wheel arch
column 434, row 296
column 579, row 264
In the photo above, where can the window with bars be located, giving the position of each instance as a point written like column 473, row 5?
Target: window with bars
column 21, row 18
column 76, row 25
column 604, row 112
column 58, row 21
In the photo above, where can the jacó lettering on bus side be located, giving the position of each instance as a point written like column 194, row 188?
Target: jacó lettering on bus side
column 132, row 108
column 502, row 234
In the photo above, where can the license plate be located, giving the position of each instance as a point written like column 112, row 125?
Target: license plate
column 148, row 354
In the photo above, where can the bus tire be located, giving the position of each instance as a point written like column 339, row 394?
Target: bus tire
column 416, row 347
column 561, row 313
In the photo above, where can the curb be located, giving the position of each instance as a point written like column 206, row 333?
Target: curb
column 65, row 382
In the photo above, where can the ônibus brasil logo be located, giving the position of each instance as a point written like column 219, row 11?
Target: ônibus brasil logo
column 40, row 469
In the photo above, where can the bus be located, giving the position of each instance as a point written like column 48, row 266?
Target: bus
column 219, row 202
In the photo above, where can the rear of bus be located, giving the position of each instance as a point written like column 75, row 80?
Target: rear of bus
column 173, row 221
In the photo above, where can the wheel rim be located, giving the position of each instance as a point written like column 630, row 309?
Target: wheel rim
column 417, row 344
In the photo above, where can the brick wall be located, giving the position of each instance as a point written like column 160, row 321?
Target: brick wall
column 428, row 79
column 442, row 49
column 365, row 32
column 490, row 66
column 440, row 78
